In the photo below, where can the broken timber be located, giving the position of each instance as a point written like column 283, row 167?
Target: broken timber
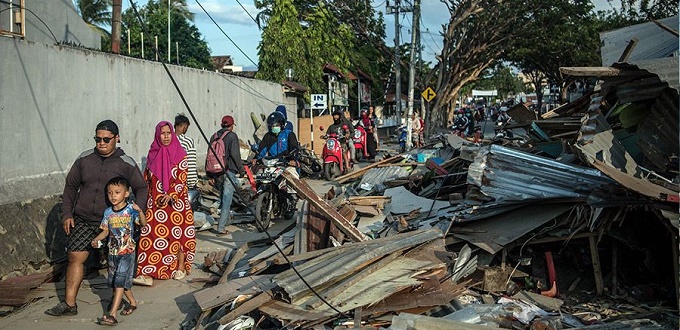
column 360, row 172
column 322, row 206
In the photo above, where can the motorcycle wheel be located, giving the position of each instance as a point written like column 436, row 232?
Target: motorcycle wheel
column 263, row 218
column 331, row 171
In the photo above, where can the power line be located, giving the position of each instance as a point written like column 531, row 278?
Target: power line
column 225, row 34
column 244, row 9
column 237, row 191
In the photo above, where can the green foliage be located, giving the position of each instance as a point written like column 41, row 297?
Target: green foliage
column 193, row 50
column 554, row 34
column 305, row 35
column 97, row 14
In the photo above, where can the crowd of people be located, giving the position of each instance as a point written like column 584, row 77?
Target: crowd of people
column 143, row 220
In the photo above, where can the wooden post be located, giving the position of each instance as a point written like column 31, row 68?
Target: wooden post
column 306, row 192
column 595, row 256
column 614, row 266
column 357, row 318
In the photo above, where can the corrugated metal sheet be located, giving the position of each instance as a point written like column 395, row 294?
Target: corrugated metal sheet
column 608, row 155
column 344, row 261
column 511, row 175
column 665, row 68
column 653, row 42
column 658, row 133
column 381, row 175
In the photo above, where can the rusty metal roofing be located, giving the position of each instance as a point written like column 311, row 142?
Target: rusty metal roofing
column 607, row 154
column 653, row 42
column 511, row 175
column 339, row 274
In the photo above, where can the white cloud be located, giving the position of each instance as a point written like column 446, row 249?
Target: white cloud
column 223, row 13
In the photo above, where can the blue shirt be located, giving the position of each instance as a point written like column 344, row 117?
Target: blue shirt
column 121, row 225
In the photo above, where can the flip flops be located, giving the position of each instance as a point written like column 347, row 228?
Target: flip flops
column 128, row 310
column 108, row 320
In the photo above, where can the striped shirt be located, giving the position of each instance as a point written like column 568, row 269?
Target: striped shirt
column 189, row 146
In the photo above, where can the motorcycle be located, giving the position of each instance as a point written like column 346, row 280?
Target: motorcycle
column 272, row 197
column 500, row 130
column 359, row 140
column 332, row 155
column 310, row 163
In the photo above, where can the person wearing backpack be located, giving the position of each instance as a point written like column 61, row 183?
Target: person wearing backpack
column 225, row 144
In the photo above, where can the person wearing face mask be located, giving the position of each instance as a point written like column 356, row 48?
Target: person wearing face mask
column 279, row 141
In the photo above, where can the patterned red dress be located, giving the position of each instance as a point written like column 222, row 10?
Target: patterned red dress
column 169, row 228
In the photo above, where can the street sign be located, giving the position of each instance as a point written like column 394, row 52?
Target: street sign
column 319, row 102
column 428, row 94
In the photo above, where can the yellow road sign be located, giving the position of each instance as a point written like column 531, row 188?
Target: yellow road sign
column 428, row 94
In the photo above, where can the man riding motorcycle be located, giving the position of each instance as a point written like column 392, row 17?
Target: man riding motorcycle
column 278, row 142
column 462, row 122
column 341, row 128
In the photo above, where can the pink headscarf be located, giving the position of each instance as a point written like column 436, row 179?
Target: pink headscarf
column 162, row 159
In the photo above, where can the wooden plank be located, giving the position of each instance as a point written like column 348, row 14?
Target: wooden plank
column 366, row 210
column 595, row 257
column 361, row 171
column 409, row 299
column 264, row 264
column 222, row 293
column 232, row 263
column 247, row 307
column 306, row 192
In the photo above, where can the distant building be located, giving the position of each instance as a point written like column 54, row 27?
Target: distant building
column 225, row 64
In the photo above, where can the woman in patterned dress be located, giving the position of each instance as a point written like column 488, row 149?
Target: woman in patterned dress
column 167, row 245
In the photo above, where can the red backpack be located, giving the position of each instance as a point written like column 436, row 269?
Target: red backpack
column 214, row 160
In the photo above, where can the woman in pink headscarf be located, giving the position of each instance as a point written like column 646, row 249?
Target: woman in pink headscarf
column 167, row 245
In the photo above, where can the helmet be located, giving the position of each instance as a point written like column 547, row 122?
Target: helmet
column 364, row 111
column 339, row 112
column 460, row 111
column 276, row 117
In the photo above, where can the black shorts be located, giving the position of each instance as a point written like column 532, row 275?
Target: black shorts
column 81, row 236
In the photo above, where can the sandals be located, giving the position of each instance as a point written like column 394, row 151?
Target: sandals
column 108, row 320
column 128, row 310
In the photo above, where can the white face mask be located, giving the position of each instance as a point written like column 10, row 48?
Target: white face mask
column 276, row 130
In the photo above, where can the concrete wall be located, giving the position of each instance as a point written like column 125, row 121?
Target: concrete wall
column 52, row 97
column 61, row 22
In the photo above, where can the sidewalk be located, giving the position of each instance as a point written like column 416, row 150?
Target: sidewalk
column 167, row 304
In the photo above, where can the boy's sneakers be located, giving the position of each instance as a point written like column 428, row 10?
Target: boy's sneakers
column 62, row 308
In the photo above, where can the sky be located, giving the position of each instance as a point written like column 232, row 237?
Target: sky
column 237, row 23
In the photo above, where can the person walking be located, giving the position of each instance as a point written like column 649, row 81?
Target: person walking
column 226, row 178
column 118, row 225
column 168, row 245
column 84, row 202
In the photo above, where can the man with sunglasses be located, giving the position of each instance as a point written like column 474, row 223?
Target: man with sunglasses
column 84, row 201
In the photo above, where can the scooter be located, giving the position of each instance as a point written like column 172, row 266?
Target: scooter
column 272, row 196
column 359, row 140
column 332, row 154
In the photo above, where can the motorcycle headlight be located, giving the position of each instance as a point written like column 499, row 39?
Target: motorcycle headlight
column 357, row 134
column 269, row 162
column 330, row 144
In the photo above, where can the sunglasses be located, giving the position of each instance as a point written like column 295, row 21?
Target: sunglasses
column 106, row 139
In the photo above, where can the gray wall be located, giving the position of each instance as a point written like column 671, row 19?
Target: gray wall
column 52, row 97
column 60, row 18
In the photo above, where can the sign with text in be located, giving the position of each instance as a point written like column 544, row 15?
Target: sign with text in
column 428, row 94
column 319, row 102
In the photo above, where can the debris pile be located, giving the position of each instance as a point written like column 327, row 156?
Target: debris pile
column 528, row 231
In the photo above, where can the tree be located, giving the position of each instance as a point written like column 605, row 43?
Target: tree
column 474, row 38
column 357, row 41
column 180, row 7
column 554, row 34
column 282, row 45
column 637, row 11
column 193, row 50
column 97, row 14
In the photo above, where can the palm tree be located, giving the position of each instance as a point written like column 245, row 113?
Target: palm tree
column 96, row 13
column 180, row 6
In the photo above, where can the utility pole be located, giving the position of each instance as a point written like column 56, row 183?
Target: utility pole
column 115, row 26
column 412, row 68
column 397, row 61
column 169, row 50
